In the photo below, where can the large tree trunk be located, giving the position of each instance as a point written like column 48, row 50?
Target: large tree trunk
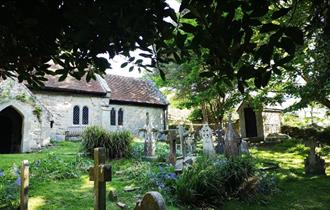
column 204, row 113
column 325, row 102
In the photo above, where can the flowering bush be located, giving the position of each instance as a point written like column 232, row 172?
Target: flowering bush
column 9, row 188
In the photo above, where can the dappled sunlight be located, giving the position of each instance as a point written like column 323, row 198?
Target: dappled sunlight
column 36, row 202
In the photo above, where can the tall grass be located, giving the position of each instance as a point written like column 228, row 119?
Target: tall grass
column 117, row 143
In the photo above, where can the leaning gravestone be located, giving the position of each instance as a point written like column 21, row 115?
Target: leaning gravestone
column 220, row 147
column 151, row 201
column 206, row 135
column 232, row 141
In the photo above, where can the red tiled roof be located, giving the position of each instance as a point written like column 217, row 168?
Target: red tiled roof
column 70, row 84
column 132, row 90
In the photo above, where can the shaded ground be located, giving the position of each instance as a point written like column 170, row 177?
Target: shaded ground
column 296, row 190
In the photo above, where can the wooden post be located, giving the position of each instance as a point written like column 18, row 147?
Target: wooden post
column 100, row 174
column 24, row 185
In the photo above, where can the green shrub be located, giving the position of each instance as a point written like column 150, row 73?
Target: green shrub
column 117, row 143
column 210, row 182
column 9, row 188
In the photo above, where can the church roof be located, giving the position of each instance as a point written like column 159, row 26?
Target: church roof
column 71, row 84
column 134, row 91
column 124, row 90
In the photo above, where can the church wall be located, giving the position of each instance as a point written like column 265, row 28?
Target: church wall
column 135, row 117
column 61, row 106
column 35, row 127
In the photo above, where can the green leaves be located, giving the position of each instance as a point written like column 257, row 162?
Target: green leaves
column 295, row 34
column 280, row 13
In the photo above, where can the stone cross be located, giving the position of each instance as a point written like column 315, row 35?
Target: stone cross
column 232, row 141
column 183, row 134
column 100, row 174
column 189, row 141
column 206, row 135
column 24, row 185
column 151, row 201
column 149, row 138
column 220, row 147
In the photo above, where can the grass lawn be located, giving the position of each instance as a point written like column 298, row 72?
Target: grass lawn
column 296, row 191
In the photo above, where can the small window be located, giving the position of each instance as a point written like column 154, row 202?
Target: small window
column 76, row 115
column 120, row 116
column 113, row 117
column 85, row 115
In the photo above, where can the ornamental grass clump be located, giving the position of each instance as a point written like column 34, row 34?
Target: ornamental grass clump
column 209, row 182
column 117, row 144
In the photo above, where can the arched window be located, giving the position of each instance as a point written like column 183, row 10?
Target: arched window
column 120, row 116
column 76, row 115
column 113, row 117
column 85, row 115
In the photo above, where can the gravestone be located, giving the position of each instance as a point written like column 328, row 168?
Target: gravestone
column 189, row 144
column 100, row 174
column 171, row 137
column 151, row 201
column 232, row 141
column 206, row 135
column 314, row 164
column 182, row 134
column 220, row 147
column 244, row 147
column 150, row 134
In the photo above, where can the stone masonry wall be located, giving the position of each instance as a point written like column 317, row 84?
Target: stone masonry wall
column 135, row 117
column 61, row 106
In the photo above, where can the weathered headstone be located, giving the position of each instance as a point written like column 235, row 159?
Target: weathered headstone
column 189, row 143
column 100, row 174
column 171, row 136
column 314, row 164
column 220, row 147
column 24, row 185
column 150, row 134
column 151, row 201
column 232, row 141
column 206, row 135
column 182, row 134
column 244, row 147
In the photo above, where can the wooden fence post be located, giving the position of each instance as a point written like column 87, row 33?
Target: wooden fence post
column 24, row 185
column 100, row 174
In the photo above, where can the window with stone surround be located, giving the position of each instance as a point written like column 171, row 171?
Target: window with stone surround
column 113, row 116
column 76, row 115
column 85, row 116
column 120, row 116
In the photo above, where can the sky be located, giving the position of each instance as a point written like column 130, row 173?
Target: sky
column 119, row 59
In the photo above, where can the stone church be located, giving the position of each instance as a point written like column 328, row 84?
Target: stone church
column 30, row 118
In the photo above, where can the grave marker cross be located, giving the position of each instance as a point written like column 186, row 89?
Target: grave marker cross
column 100, row 174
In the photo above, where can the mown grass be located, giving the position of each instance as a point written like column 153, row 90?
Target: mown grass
column 296, row 191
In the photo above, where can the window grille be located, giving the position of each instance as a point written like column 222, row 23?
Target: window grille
column 85, row 115
column 113, row 117
column 76, row 115
column 120, row 116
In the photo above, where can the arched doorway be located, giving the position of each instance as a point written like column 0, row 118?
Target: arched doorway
column 250, row 122
column 11, row 123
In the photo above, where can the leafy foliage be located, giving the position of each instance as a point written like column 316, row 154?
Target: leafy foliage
column 57, row 168
column 209, row 183
column 117, row 143
column 9, row 188
column 236, row 39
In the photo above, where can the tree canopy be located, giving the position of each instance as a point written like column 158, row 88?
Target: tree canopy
column 237, row 39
